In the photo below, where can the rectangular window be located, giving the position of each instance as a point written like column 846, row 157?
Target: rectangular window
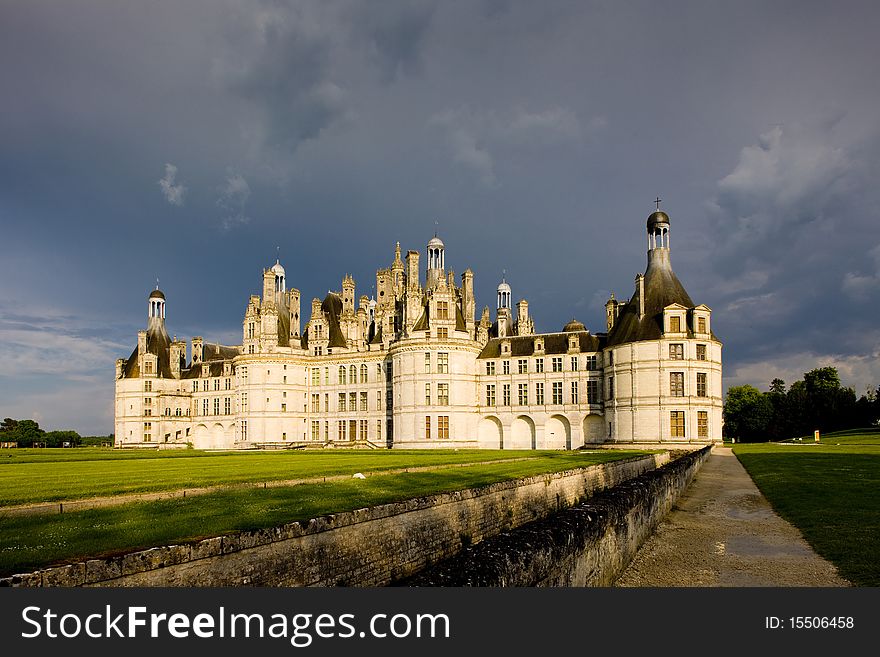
column 148, row 367
column 316, row 403
column 701, row 324
column 592, row 391
column 352, row 401
column 195, row 386
column 701, row 384
column 148, row 412
column 557, row 392
column 389, row 372
column 591, row 363
column 676, row 384
column 327, row 431
column 701, row 352
column 574, row 392
column 490, row 394
column 427, row 394
column 523, row 393
column 227, row 405
column 442, row 333
column 702, row 424
column 228, row 384
column 557, row 364
column 340, row 430
column 522, row 366
column 148, row 386
column 490, row 367
column 539, row 365
column 250, row 330
column 205, row 385
column 244, row 401
column 326, row 402
column 341, row 403
column 216, row 384
column 676, row 351
column 364, row 372
column 326, row 376
column 675, row 324
column 611, row 358
column 610, row 387
column 574, row 363
column 204, row 406
column 505, row 395
column 427, row 427
column 244, row 374
column 442, row 363
column 362, row 430
column 283, row 408
column 505, row 367
column 442, row 310
column 316, row 376
column 244, row 430
column 216, row 406
column 378, row 429
column 352, row 430
column 443, row 427
column 676, row 423
column 378, row 400
column 427, row 362
column 443, row 394
column 539, row 393
column 148, row 401
column 316, row 430
column 363, row 401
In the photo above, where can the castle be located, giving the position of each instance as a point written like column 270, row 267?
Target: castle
column 415, row 368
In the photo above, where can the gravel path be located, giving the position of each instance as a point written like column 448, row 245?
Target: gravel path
column 723, row 532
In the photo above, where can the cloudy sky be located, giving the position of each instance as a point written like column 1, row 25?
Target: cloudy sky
column 186, row 139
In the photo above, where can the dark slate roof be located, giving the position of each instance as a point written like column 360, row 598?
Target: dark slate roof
column 332, row 308
column 459, row 320
column 158, row 343
column 212, row 351
column 554, row 343
column 422, row 323
column 157, row 294
column 662, row 288
column 573, row 325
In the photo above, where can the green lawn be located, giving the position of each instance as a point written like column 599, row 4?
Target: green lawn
column 28, row 542
column 37, row 475
column 829, row 491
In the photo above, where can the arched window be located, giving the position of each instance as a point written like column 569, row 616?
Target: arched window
column 353, row 374
column 364, row 373
column 342, row 374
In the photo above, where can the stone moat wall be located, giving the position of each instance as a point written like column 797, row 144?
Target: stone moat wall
column 589, row 544
column 367, row 547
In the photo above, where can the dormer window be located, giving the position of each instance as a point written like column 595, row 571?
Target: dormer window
column 539, row 344
column 701, row 325
column 675, row 324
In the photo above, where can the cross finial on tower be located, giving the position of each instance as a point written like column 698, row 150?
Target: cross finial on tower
column 436, row 227
column 503, row 275
column 658, row 201
column 157, row 283
column 277, row 254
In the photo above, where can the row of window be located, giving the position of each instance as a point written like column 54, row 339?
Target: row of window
column 556, row 365
column 676, row 351
column 442, row 427
column 593, row 394
column 350, row 430
column 349, row 374
column 675, row 324
column 206, row 385
column 677, row 424
column 676, row 385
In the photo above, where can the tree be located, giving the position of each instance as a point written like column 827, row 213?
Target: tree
column 747, row 414
column 58, row 438
column 28, row 432
column 777, row 387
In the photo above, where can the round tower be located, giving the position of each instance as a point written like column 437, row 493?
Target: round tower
column 503, row 295
column 658, row 229
column 280, row 284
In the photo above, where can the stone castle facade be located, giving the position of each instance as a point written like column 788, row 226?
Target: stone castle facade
column 416, row 368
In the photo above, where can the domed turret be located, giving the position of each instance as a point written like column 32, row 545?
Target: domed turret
column 574, row 325
column 278, row 270
column 156, row 302
column 658, row 229
column 436, row 261
column 503, row 294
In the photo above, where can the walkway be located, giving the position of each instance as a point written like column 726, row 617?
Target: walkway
column 723, row 532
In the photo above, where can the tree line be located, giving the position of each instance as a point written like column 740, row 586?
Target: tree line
column 818, row 401
column 27, row 433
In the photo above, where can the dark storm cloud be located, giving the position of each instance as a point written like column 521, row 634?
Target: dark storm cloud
column 186, row 140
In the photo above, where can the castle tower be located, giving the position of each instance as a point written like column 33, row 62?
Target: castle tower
column 397, row 271
column 156, row 303
column 658, row 234
column 280, row 285
column 436, row 262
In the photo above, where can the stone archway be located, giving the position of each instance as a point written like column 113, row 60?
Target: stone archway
column 201, row 436
column 557, row 433
column 490, row 434
column 523, row 433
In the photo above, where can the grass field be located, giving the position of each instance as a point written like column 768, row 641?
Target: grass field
column 38, row 475
column 829, row 491
column 28, row 542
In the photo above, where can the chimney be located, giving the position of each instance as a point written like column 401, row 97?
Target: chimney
column 412, row 269
column 197, row 346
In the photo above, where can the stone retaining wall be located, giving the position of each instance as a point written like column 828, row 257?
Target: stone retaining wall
column 589, row 544
column 366, row 547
